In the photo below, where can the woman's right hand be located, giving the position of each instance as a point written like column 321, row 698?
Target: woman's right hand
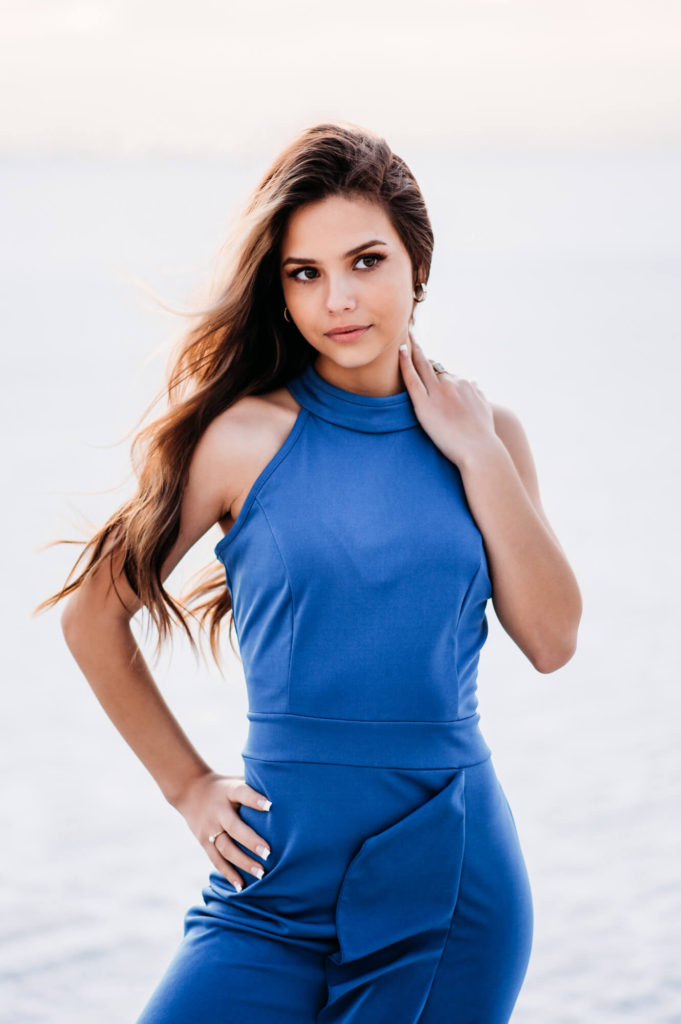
column 210, row 804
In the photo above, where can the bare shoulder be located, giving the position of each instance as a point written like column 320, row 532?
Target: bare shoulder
column 226, row 461
column 239, row 443
column 511, row 432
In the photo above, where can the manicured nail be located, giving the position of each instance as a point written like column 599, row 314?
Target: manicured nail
column 238, row 886
column 403, row 349
column 258, row 872
column 262, row 851
column 265, row 804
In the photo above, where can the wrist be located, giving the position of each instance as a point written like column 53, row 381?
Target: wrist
column 180, row 791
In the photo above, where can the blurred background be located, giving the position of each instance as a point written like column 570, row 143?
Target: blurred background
column 546, row 137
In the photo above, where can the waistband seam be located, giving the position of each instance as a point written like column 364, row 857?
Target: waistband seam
column 264, row 715
column 403, row 743
column 362, row 764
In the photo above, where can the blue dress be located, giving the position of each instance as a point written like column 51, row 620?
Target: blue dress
column 396, row 888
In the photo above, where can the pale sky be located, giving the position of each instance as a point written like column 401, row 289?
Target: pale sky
column 215, row 76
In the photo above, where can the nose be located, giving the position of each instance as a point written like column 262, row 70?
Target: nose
column 340, row 294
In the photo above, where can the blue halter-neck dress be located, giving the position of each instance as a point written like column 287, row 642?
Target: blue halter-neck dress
column 396, row 889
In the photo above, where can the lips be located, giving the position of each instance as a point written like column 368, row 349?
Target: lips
column 348, row 333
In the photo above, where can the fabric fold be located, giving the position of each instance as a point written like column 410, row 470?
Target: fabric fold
column 393, row 913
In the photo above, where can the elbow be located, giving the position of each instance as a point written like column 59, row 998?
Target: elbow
column 558, row 645
column 551, row 660
column 552, row 657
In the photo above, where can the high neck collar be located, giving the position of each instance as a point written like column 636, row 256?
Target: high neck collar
column 376, row 414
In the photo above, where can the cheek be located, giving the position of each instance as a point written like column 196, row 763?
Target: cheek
column 392, row 298
column 297, row 292
column 302, row 303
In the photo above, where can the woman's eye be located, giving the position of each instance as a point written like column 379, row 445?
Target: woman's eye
column 375, row 256
column 295, row 273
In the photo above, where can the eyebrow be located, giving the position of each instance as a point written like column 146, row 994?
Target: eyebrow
column 352, row 252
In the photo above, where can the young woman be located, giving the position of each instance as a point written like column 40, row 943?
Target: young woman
column 366, row 866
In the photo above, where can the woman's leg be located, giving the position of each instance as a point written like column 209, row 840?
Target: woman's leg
column 487, row 952
column 223, row 973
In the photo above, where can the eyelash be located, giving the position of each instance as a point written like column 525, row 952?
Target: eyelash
column 379, row 257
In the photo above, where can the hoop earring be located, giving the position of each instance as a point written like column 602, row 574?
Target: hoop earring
column 287, row 318
column 422, row 286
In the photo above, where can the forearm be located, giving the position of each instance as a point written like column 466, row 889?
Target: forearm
column 535, row 592
column 110, row 658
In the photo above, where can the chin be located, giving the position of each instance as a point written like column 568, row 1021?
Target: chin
column 352, row 356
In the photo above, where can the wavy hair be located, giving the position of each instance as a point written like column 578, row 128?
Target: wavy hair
column 240, row 345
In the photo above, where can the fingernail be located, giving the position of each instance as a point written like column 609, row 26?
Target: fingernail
column 265, row 804
column 262, row 851
column 238, row 886
column 258, row 872
column 403, row 349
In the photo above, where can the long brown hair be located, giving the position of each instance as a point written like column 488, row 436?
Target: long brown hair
column 241, row 345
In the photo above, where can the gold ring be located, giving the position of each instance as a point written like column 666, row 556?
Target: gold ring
column 211, row 839
column 439, row 368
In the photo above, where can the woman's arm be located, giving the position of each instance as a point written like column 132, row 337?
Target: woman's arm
column 97, row 631
column 101, row 641
column 535, row 592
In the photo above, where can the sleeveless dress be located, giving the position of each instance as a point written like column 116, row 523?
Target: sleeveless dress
column 396, row 889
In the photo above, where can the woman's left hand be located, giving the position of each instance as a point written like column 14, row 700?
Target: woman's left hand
column 452, row 410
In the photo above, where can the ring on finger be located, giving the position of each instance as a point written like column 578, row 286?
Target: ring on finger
column 439, row 368
column 211, row 839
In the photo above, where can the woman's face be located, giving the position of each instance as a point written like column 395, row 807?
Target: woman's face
column 342, row 264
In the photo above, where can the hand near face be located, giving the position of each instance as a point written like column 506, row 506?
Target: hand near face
column 453, row 411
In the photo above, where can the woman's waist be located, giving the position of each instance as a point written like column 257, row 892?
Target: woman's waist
column 276, row 736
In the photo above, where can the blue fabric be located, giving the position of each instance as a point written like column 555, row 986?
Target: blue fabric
column 396, row 889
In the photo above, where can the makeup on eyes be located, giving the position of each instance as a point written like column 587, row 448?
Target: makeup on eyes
column 377, row 256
